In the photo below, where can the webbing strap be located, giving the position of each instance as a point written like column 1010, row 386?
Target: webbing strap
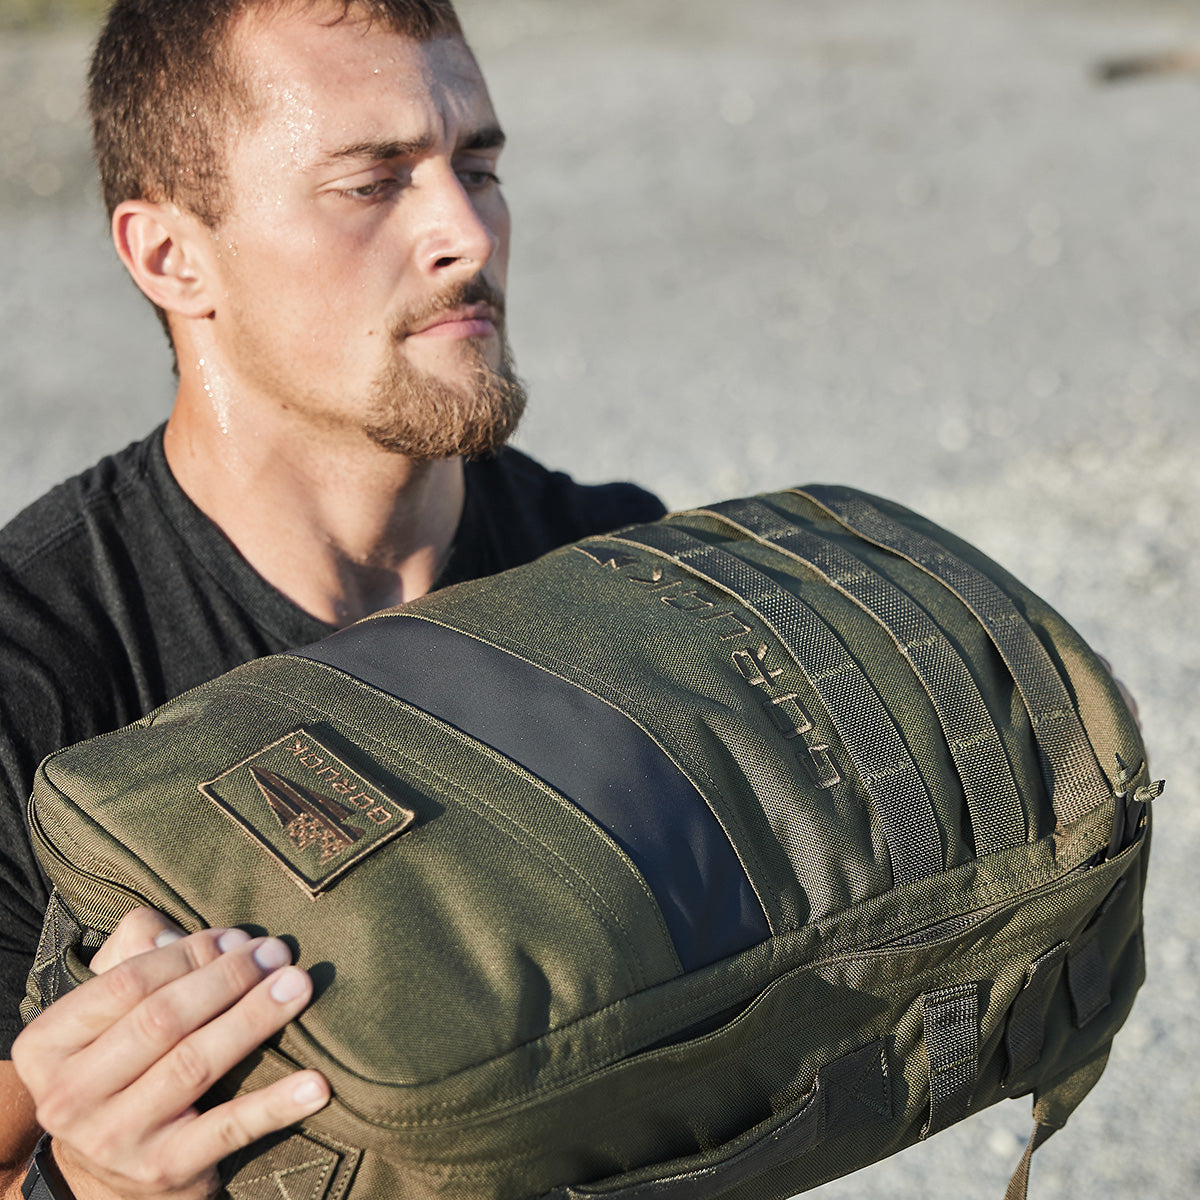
column 868, row 733
column 1018, row 1185
column 951, row 1018
column 997, row 815
column 1088, row 979
column 1074, row 778
column 1026, row 1029
column 1051, row 1109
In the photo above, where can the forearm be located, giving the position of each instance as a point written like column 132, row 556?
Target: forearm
column 10, row 1182
column 19, row 1132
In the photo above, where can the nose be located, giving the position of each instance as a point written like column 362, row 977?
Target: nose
column 458, row 238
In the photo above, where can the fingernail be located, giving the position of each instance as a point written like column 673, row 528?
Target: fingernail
column 167, row 937
column 290, row 984
column 309, row 1090
column 231, row 938
column 272, row 954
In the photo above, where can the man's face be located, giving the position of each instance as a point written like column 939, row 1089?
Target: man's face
column 363, row 253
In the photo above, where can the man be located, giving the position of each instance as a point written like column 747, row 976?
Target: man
column 307, row 191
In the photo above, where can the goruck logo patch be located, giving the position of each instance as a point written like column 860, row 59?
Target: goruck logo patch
column 305, row 806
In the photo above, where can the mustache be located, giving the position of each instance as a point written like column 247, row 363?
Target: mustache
column 459, row 295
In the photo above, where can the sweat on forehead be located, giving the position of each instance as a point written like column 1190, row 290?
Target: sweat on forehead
column 162, row 89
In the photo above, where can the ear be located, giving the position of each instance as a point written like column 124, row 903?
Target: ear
column 164, row 250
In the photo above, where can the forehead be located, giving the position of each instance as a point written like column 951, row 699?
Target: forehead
column 319, row 77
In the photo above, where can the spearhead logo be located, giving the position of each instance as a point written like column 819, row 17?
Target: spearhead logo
column 306, row 817
column 306, row 807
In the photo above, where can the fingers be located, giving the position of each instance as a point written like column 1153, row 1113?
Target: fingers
column 181, row 1035
column 140, row 931
column 78, row 1018
column 117, row 1065
column 225, row 1129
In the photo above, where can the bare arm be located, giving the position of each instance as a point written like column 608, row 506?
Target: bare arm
column 19, row 1131
column 115, row 1067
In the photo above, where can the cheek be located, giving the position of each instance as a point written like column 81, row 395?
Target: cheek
column 497, row 219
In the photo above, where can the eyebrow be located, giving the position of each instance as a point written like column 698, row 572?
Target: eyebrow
column 488, row 137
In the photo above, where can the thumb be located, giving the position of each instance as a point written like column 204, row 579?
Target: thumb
column 138, row 932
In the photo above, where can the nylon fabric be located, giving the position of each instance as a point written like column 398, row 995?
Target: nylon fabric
column 997, row 817
column 1076, row 782
column 470, row 816
column 585, row 749
column 868, row 733
column 850, row 1094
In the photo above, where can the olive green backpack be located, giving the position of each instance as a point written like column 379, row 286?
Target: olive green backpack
column 717, row 857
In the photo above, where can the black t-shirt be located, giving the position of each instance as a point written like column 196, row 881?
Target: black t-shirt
column 117, row 593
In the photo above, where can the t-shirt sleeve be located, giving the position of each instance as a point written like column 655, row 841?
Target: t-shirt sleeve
column 55, row 689
column 31, row 723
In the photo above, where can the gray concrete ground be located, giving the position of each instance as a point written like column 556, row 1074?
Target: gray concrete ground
column 913, row 245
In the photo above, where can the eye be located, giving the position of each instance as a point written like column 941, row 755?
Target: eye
column 477, row 181
column 371, row 190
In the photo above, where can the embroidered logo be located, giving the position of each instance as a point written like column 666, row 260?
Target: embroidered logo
column 312, row 812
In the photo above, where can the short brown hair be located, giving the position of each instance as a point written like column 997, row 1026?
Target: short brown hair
column 163, row 87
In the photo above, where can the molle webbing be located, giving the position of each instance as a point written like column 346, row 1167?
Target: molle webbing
column 997, row 815
column 1073, row 776
column 869, row 734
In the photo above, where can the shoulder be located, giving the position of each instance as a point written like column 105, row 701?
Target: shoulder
column 72, row 513
column 64, row 564
column 568, row 510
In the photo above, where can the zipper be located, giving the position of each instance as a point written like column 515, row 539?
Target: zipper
column 929, row 934
column 941, row 929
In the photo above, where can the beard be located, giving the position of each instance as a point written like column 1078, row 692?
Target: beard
column 424, row 418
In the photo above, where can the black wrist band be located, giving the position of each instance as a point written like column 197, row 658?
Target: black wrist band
column 42, row 1180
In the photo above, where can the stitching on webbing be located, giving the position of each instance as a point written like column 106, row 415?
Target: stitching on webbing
column 1044, row 718
column 921, row 643
column 846, row 666
column 900, row 767
column 328, row 1160
column 1007, row 617
column 980, row 739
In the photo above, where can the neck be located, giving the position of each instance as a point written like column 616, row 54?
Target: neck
column 338, row 525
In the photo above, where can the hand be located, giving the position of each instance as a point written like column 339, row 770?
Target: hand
column 116, row 1066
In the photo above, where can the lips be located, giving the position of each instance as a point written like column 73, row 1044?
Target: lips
column 468, row 321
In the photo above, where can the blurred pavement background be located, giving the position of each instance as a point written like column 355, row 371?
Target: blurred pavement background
column 941, row 249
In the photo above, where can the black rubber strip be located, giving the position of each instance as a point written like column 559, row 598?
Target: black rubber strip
column 590, row 752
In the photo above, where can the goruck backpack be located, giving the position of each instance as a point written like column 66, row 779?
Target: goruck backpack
column 717, row 857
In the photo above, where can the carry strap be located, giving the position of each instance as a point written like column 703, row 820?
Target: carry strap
column 1050, row 1112
column 1073, row 776
column 994, row 804
column 867, row 731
